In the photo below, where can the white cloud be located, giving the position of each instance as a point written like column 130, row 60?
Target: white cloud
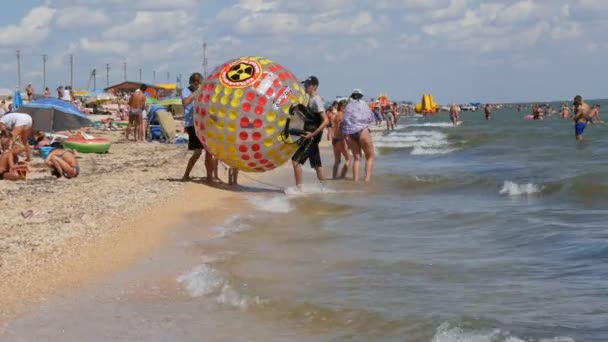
column 32, row 29
column 77, row 17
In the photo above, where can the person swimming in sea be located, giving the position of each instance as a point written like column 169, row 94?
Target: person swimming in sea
column 338, row 142
column 454, row 116
column 581, row 116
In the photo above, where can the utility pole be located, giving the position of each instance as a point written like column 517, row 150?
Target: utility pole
column 124, row 70
column 154, row 75
column 180, row 81
column 140, row 73
column 168, row 76
column 71, row 70
column 43, row 71
column 107, row 75
column 19, row 69
column 205, row 61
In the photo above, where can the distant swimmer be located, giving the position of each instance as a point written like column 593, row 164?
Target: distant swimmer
column 488, row 111
column 565, row 112
column 594, row 115
column 537, row 112
column 581, row 116
column 454, row 115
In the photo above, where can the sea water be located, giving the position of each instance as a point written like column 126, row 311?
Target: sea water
column 489, row 231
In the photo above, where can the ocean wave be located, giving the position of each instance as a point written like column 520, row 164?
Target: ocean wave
column 206, row 281
column 202, row 280
column 448, row 333
column 432, row 124
column 276, row 204
column 421, row 142
column 513, row 189
column 233, row 224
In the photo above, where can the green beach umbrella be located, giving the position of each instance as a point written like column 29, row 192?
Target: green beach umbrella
column 151, row 101
column 171, row 102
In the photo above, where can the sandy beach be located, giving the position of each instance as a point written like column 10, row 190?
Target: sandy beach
column 59, row 233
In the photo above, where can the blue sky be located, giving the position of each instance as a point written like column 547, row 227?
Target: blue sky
column 460, row 50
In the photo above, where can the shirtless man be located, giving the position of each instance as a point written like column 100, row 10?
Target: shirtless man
column 488, row 111
column 29, row 90
column 20, row 126
column 338, row 142
column 137, row 102
column 453, row 114
column 581, row 116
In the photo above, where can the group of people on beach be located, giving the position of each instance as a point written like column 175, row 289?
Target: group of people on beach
column 15, row 155
column 346, row 122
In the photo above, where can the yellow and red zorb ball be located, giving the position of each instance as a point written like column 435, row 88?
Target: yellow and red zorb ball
column 241, row 110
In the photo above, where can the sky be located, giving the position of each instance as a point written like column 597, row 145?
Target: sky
column 458, row 50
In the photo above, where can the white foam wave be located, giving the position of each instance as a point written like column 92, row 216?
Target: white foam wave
column 448, row 333
column 421, row 142
column 203, row 280
column 513, row 189
column 432, row 124
column 276, row 204
column 231, row 225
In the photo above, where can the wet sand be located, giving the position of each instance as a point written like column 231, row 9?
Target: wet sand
column 57, row 234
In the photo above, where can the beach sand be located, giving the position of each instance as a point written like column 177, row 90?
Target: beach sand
column 57, row 233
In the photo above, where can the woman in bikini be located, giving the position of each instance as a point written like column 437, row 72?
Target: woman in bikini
column 63, row 163
column 339, row 142
column 357, row 118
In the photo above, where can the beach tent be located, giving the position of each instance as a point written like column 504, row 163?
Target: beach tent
column 54, row 115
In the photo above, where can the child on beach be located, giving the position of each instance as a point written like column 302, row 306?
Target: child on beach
column 8, row 158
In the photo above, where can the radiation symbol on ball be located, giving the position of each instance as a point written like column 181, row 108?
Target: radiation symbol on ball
column 241, row 73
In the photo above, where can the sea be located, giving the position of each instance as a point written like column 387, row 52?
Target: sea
column 489, row 231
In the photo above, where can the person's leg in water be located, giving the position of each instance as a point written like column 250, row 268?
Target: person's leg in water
column 347, row 158
column 297, row 171
column 355, row 148
column 315, row 160
column 195, row 157
column 337, row 157
column 368, row 149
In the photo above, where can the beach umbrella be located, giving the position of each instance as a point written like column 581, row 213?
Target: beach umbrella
column 17, row 101
column 171, row 102
column 99, row 98
column 53, row 115
column 151, row 101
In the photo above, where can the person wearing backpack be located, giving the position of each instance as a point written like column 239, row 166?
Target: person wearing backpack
column 314, row 123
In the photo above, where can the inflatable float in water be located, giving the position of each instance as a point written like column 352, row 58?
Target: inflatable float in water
column 95, row 145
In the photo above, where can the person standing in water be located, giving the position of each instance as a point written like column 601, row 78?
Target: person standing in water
column 314, row 124
column 581, row 116
column 338, row 142
column 488, row 111
column 357, row 118
column 454, row 116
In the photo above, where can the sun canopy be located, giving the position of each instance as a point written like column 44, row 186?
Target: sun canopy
column 53, row 115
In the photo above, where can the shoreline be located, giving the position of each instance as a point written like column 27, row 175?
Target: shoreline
column 67, row 242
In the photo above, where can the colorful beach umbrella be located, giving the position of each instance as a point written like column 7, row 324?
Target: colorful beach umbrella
column 54, row 115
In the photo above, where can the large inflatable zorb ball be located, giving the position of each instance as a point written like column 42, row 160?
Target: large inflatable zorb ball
column 241, row 111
